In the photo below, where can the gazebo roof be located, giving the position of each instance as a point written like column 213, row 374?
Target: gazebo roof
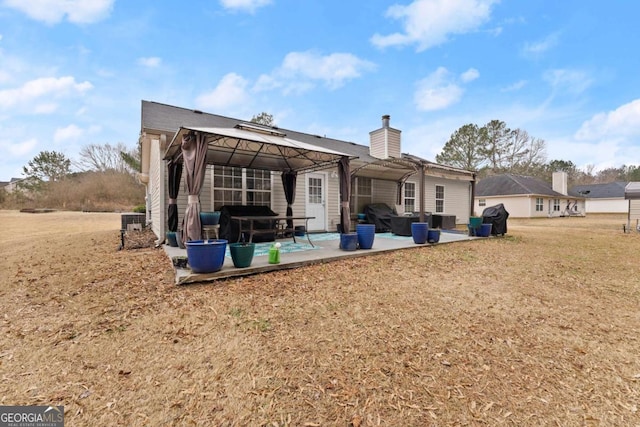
column 257, row 147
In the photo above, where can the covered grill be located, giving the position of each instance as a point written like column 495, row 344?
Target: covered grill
column 496, row 216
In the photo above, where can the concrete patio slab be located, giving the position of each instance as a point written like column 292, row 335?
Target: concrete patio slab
column 326, row 249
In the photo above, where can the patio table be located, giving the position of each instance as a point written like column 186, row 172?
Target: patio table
column 279, row 225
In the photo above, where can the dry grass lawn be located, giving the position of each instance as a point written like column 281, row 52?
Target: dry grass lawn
column 539, row 328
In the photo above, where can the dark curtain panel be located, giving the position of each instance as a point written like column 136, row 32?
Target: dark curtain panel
column 194, row 155
column 289, row 184
column 344, row 171
column 399, row 193
column 175, row 174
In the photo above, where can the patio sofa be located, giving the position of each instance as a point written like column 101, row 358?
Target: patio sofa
column 229, row 230
column 379, row 214
column 401, row 224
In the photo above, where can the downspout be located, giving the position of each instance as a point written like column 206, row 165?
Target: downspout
column 143, row 175
column 473, row 196
column 163, row 190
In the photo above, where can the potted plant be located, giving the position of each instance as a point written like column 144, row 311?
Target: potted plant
column 242, row 253
column 419, row 232
column 433, row 235
column 206, row 256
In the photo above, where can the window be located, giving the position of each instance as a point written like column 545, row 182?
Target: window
column 258, row 187
column 482, row 202
column 361, row 194
column 410, row 197
column 556, row 205
column 315, row 190
column 439, row 198
column 539, row 204
column 235, row 186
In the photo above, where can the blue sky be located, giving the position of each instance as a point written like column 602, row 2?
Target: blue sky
column 73, row 72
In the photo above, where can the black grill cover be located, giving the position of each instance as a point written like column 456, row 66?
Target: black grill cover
column 380, row 215
column 496, row 216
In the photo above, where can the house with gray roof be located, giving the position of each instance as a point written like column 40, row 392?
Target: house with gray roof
column 12, row 185
column 528, row 197
column 379, row 172
column 602, row 198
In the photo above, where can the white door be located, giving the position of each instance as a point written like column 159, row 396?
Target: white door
column 316, row 200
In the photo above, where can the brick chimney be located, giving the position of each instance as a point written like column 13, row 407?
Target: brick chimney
column 384, row 142
column 559, row 182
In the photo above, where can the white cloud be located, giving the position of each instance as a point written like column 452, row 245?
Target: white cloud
column 429, row 23
column 54, row 11
column 300, row 70
column 232, row 90
column 244, row 5
column 17, row 149
column 440, row 89
column 69, row 133
column 572, row 81
column 46, row 87
column 537, row 48
column 623, row 122
column 470, row 75
column 151, row 61
column 45, row 108
column 514, row 86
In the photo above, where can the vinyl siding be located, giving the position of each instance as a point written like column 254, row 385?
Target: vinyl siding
column 634, row 210
column 517, row 206
column 525, row 206
column 156, row 188
column 456, row 197
column 607, row 205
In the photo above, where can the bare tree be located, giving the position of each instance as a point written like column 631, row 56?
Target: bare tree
column 524, row 152
column 103, row 158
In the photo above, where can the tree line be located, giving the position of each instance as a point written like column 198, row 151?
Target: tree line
column 496, row 149
column 103, row 178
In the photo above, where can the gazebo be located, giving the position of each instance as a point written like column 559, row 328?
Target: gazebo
column 246, row 145
column 632, row 193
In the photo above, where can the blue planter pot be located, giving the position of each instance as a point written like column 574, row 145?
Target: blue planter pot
column 172, row 239
column 206, row 256
column 419, row 232
column 433, row 235
column 210, row 218
column 484, row 230
column 366, row 234
column 349, row 241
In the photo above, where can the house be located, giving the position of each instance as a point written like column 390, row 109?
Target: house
column 378, row 172
column 12, row 185
column 602, row 198
column 528, row 197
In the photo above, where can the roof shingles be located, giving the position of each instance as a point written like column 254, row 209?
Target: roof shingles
column 511, row 185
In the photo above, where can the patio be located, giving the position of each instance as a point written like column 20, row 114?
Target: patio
column 295, row 255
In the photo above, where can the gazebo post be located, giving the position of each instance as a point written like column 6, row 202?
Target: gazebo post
column 422, row 192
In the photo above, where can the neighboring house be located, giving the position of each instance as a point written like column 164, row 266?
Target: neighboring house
column 12, row 185
column 380, row 173
column 528, row 197
column 602, row 198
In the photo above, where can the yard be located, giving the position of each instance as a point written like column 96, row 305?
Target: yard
column 541, row 327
